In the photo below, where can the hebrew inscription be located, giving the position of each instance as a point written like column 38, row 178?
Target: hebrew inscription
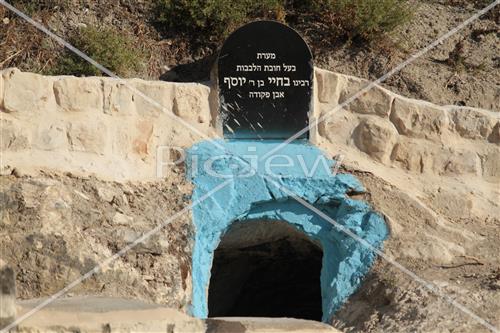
column 272, row 81
column 265, row 82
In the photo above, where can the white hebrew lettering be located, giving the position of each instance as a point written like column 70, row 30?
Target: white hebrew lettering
column 259, row 94
column 301, row 83
column 278, row 94
column 272, row 68
column 233, row 81
column 279, row 81
column 266, row 56
column 249, row 68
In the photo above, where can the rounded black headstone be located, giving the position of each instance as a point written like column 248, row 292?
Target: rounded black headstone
column 265, row 78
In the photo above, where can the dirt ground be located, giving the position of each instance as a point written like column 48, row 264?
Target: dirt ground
column 463, row 70
column 57, row 227
column 106, row 216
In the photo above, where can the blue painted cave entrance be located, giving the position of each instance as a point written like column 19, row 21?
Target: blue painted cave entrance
column 243, row 222
column 257, row 251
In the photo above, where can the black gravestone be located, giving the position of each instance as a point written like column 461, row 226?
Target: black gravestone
column 265, row 78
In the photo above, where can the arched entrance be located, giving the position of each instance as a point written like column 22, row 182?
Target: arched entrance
column 265, row 268
column 253, row 197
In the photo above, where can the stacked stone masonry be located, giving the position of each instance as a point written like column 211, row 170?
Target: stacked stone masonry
column 414, row 135
column 125, row 129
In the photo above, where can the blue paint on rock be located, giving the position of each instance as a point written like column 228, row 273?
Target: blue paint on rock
column 251, row 196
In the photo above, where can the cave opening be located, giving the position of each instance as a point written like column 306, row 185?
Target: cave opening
column 266, row 268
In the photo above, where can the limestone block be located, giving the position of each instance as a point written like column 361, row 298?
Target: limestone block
column 491, row 165
column 412, row 156
column 415, row 155
column 336, row 126
column 141, row 141
column 375, row 137
column 328, row 86
column 79, row 94
column 87, row 137
column 191, row 103
column 418, row 120
column 418, row 156
column 121, row 141
column 153, row 98
column 457, row 162
column 118, row 97
column 13, row 136
column 473, row 123
column 26, row 92
column 50, row 136
column 375, row 101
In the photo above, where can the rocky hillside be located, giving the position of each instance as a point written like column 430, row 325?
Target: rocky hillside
column 463, row 71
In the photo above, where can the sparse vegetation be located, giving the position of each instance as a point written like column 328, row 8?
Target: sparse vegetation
column 178, row 40
column 214, row 18
column 31, row 7
column 107, row 46
column 196, row 27
column 366, row 19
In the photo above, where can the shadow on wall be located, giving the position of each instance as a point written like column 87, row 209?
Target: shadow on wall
column 195, row 71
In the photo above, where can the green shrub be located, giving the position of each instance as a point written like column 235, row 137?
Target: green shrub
column 30, row 7
column 367, row 19
column 371, row 18
column 110, row 48
column 213, row 18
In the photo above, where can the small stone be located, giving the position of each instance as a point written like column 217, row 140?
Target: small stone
column 6, row 218
column 80, row 194
column 30, row 195
column 122, row 219
column 6, row 20
column 6, row 170
column 105, row 194
column 16, row 173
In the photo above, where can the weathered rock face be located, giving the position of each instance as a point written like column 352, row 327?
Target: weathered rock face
column 56, row 228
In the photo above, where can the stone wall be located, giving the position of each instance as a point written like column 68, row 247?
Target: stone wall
column 412, row 135
column 103, row 126
column 113, row 128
